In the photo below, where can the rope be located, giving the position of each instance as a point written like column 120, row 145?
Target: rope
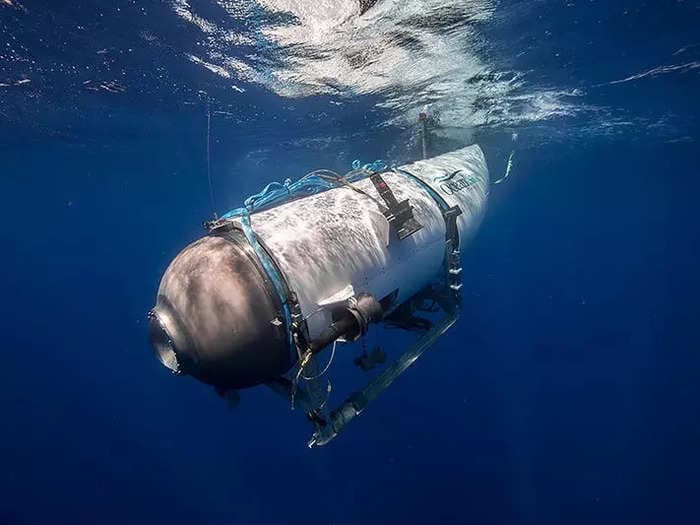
column 509, row 165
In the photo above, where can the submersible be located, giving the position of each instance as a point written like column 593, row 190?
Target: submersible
column 304, row 265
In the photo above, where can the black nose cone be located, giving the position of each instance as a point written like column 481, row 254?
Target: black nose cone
column 217, row 316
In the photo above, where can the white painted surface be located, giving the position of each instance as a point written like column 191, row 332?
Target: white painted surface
column 339, row 238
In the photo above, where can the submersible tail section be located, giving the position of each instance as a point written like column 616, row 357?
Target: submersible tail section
column 307, row 264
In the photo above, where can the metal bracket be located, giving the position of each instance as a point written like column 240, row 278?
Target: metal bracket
column 218, row 226
column 399, row 214
column 357, row 402
column 453, row 259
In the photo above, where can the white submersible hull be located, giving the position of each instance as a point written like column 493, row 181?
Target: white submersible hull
column 268, row 289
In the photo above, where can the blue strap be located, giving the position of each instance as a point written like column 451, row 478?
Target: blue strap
column 274, row 194
column 435, row 195
column 272, row 274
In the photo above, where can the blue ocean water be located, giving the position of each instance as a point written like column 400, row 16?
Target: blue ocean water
column 568, row 391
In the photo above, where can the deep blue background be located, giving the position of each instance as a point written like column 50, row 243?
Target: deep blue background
column 568, row 392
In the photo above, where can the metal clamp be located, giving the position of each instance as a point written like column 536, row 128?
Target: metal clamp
column 453, row 260
column 399, row 214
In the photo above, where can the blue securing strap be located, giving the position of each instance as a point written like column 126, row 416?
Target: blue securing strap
column 435, row 195
column 272, row 274
column 274, row 194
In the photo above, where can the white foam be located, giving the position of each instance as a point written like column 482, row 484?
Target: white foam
column 331, row 49
column 659, row 70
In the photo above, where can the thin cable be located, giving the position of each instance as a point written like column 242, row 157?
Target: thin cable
column 328, row 365
column 211, row 186
column 300, row 374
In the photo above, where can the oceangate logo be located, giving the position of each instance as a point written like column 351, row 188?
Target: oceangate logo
column 456, row 182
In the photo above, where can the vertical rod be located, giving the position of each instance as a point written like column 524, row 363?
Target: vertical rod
column 423, row 120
